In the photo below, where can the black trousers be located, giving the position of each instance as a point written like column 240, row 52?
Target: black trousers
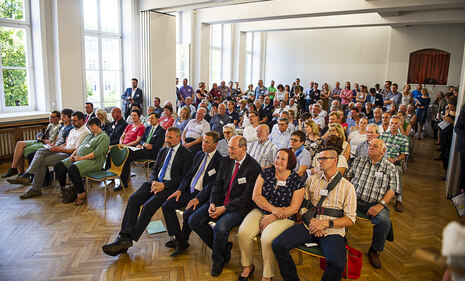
column 171, row 219
column 134, row 223
column 462, row 170
column 73, row 174
column 196, row 147
column 133, row 155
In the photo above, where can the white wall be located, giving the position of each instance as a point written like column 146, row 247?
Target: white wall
column 328, row 55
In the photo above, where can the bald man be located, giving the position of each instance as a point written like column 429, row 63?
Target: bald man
column 116, row 128
column 263, row 150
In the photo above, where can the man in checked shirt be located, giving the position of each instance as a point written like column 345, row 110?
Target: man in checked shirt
column 375, row 180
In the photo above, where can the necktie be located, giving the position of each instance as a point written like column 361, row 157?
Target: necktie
column 150, row 135
column 227, row 200
column 161, row 175
column 199, row 172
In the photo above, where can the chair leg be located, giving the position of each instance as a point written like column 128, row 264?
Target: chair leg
column 106, row 188
column 124, row 189
column 301, row 261
column 347, row 264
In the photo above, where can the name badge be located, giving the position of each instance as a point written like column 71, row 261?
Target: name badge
column 87, row 145
column 313, row 145
column 113, row 127
column 324, row 192
column 378, row 174
column 134, row 129
column 221, row 122
column 241, row 180
column 281, row 183
column 211, row 172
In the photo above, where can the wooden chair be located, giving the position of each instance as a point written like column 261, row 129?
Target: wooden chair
column 118, row 155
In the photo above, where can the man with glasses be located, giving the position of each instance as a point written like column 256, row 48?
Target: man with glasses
column 263, row 150
column 327, row 229
column 397, row 149
column 281, row 137
column 304, row 158
column 375, row 180
column 51, row 155
column 220, row 119
column 250, row 132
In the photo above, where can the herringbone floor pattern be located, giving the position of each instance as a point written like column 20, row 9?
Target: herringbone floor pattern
column 43, row 239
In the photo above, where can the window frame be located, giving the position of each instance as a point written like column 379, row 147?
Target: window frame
column 218, row 49
column 30, row 77
column 100, row 35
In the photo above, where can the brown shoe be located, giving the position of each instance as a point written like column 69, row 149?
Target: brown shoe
column 374, row 259
column 399, row 207
column 30, row 193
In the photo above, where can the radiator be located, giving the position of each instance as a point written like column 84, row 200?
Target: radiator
column 7, row 138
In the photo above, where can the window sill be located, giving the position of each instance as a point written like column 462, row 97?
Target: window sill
column 13, row 117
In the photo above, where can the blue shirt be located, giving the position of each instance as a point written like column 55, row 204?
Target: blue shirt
column 416, row 94
column 259, row 92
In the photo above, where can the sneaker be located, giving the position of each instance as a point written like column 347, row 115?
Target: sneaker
column 30, row 193
column 20, row 180
column 11, row 172
column 119, row 246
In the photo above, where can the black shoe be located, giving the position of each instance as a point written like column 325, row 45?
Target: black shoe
column 171, row 243
column 242, row 278
column 118, row 187
column 11, row 172
column 180, row 247
column 47, row 184
column 119, row 246
column 217, row 268
column 227, row 253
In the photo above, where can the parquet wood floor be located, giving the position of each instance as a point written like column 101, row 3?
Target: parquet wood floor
column 43, row 239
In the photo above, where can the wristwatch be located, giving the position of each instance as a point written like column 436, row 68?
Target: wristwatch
column 331, row 224
column 383, row 203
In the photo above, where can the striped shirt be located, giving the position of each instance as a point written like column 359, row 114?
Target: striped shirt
column 342, row 197
column 373, row 180
column 396, row 144
column 264, row 153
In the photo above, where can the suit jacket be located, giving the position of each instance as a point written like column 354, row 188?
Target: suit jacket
column 181, row 164
column 115, row 131
column 138, row 98
column 460, row 131
column 157, row 140
column 208, row 180
column 85, row 117
column 240, row 194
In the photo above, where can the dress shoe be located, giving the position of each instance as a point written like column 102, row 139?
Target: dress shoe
column 30, row 193
column 373, row 257
column 120, row 245
column 227, row 253
column 242, row 278
column 118, row 187
column 10, row 172
column 179, row 248
column 20, row 180
column 171, row 243
column 399, row 207
column 217, row 268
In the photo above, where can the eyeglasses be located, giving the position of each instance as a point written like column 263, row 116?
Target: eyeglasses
column 324, row 158
column 296, row 140
column 282, row 124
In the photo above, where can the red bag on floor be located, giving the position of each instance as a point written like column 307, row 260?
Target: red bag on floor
column 354, row 261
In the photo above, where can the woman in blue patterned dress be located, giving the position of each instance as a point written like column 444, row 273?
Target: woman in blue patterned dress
column 278, row 194
column 422, row 104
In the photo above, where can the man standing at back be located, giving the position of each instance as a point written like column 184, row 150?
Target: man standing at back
column 173, row 162
column 185, row 91
column 230, row 202
column 131, row 97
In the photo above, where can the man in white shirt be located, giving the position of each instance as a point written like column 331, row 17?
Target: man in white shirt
column 51, row 155
column 194, row 131
column 291, row 105
column 281, row 137
column 250, row 132
column 320, row 121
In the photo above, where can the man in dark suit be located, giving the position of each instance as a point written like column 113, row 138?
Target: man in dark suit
column 193, row 191
column 460, row 145
column 116, row 128
column 89, row 107
column 132, row 96
column 151, row 142
column 173, row 162
column 230, row 202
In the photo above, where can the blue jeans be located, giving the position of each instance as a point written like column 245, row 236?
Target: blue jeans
column 381, row 225
column 333, row 247
column 216, row 238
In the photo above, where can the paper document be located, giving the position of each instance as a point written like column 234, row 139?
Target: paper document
column 155, row 227
column 459, row 203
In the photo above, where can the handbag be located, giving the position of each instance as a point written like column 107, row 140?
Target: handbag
column 353, row 263
column 68, row 194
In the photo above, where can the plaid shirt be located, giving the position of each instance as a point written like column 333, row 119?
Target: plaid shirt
column 373, row 180
column 396, row 144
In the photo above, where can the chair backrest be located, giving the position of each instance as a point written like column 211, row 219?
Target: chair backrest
column 118, row 155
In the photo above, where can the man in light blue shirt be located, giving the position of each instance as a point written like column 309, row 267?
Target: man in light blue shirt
column 281, row 137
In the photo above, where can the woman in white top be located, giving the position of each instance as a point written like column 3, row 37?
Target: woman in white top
column 406, row 95
column 342, row 165
column 281, row 95
column 359, row 136
column 336, row 129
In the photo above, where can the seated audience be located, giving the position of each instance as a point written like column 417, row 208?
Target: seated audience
column 89, row 156
column 145, row 120
column 372, row 132
column 183, row 119
column 281, row 137
column 232, row 113
column 116, row 128
column 377, row 113
column 313, row 141
column 304, row 159
column 89, row 109
column 357, row 137
column 262, row 150
column 101, row 114
column 220, row 119
column 278, row 194
column 376, row 180
column 338, row 131
column 384, row 127
column 250, row 132
column 193, row 191
column 141, row 116
column 157, row 108
column 172, row 164
column 167, row 120
column 337, row 212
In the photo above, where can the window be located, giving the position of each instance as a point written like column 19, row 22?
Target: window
column 183, row 40
column 182, row 61
column 16, row 57
column 102, row 40
column 429, row 66
column 248, row 58
column 216, row 45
